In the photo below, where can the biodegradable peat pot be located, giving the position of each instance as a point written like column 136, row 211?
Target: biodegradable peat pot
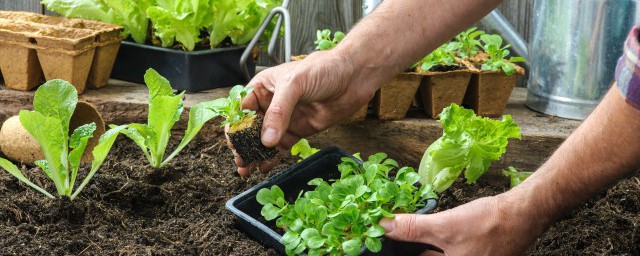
column 292, row 181
column 245, row 138
column 439, row 89
column 17, row 144
column 489, row 91
column 360, row 115
column 66, row 54
column 186, row 71
column 298, row 57
column 20, row 66
column 102, row 64
column 393, row 99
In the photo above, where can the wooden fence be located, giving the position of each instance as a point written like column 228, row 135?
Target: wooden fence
column 309, row 15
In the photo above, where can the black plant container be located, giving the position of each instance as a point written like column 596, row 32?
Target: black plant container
column 186, row 71
column 323, row 164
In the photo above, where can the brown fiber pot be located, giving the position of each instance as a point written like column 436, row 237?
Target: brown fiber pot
column 439, row 89
column 17, row 144
column 394, row 98
column 20, row 66
column 489, row 91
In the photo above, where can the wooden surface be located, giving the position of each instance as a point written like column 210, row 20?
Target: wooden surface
column 405, row 140
column 21, row 5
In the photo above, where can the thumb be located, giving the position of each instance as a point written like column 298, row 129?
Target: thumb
column 278, row 116
column 411, row 228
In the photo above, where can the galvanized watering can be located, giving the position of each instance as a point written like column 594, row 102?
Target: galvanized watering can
column 573, row 51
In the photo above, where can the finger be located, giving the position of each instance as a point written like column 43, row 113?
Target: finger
column 287, row 141
column 278, row 115
column 432, row 253
column 245, row 171
column 251, row 102
column 412, row 228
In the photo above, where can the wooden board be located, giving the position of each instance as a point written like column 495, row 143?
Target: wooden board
column 21, row 5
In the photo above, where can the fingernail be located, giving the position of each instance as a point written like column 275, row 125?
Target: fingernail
column 269, row 136
column 387, row 224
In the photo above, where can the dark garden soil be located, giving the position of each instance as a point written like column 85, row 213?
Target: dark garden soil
column 180, row 211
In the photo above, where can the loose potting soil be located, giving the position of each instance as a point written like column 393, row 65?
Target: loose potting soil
column 127, row 209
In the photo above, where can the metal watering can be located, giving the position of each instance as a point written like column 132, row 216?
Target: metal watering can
column 573, row 51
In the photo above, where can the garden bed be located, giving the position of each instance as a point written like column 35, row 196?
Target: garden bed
column 180, row 211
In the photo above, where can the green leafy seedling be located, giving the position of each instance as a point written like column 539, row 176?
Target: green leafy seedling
column 515, row 176
column 165, row 109
column 54, row 103
column 497, row 54
column 303, row 149
column 469, row 143
column 230, row 108
column 444, row 55
column 469, row 44
column 324, row 40
column 339, row 218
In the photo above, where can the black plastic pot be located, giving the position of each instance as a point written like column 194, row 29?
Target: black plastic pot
column 323, row 164
column 186, row 71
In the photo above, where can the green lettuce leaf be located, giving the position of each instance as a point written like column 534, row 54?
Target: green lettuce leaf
column 13, row 170
column 78, row 142
column 469, row 143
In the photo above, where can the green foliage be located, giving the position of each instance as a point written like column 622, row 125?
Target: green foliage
column 165, row 109
column 230, row 108
column 339, row 218
column 468, row 143
column 325, row 42
column 445, row 55
column 303, row 149
column 497, row 54
column 469, row 44
column 185, row 21
column 54, row 103
column 515, row 176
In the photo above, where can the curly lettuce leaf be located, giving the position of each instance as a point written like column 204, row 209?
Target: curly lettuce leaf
column 469, row 143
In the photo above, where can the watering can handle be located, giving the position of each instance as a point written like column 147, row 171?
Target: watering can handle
column 283, row 14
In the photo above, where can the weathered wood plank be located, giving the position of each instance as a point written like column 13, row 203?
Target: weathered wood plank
column 21, row 5
column 518, row 12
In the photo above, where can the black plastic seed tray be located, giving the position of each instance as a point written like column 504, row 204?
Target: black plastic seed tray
column 186, row 71
column 323, row 164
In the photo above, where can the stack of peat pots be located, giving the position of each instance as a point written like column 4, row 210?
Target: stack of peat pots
column 35, row 46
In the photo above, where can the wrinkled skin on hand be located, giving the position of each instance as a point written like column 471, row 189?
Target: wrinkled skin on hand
column 305, row 97
column 469, row 229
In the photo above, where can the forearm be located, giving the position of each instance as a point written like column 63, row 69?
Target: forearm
column 602, row 150
column 400, row 32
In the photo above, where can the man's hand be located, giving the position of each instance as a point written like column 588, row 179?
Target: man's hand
column 305, row 97
column 486, row 226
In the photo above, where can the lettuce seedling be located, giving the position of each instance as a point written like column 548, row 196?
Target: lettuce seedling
column 497, row 54
column 165, row 109
column 469, row 44
column 54, row 103
column 338, row 218
column 324, row 41
column 469, row 143
column 245, row 126
column 515, row 176
column 303, row 149
column 444, row 55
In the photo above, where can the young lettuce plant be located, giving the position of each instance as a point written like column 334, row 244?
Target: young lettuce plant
column 515, row 176
column 497, row 54
column 444, row 55
column 339, row 218
column 469, row 44
column 324, row 41
column 469, row 143
column 54, row 103
column 165, row 109
column 244, row 126
column 303, row 150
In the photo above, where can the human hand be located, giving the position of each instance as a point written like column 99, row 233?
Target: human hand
column 486, row 226
column 304, row 97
